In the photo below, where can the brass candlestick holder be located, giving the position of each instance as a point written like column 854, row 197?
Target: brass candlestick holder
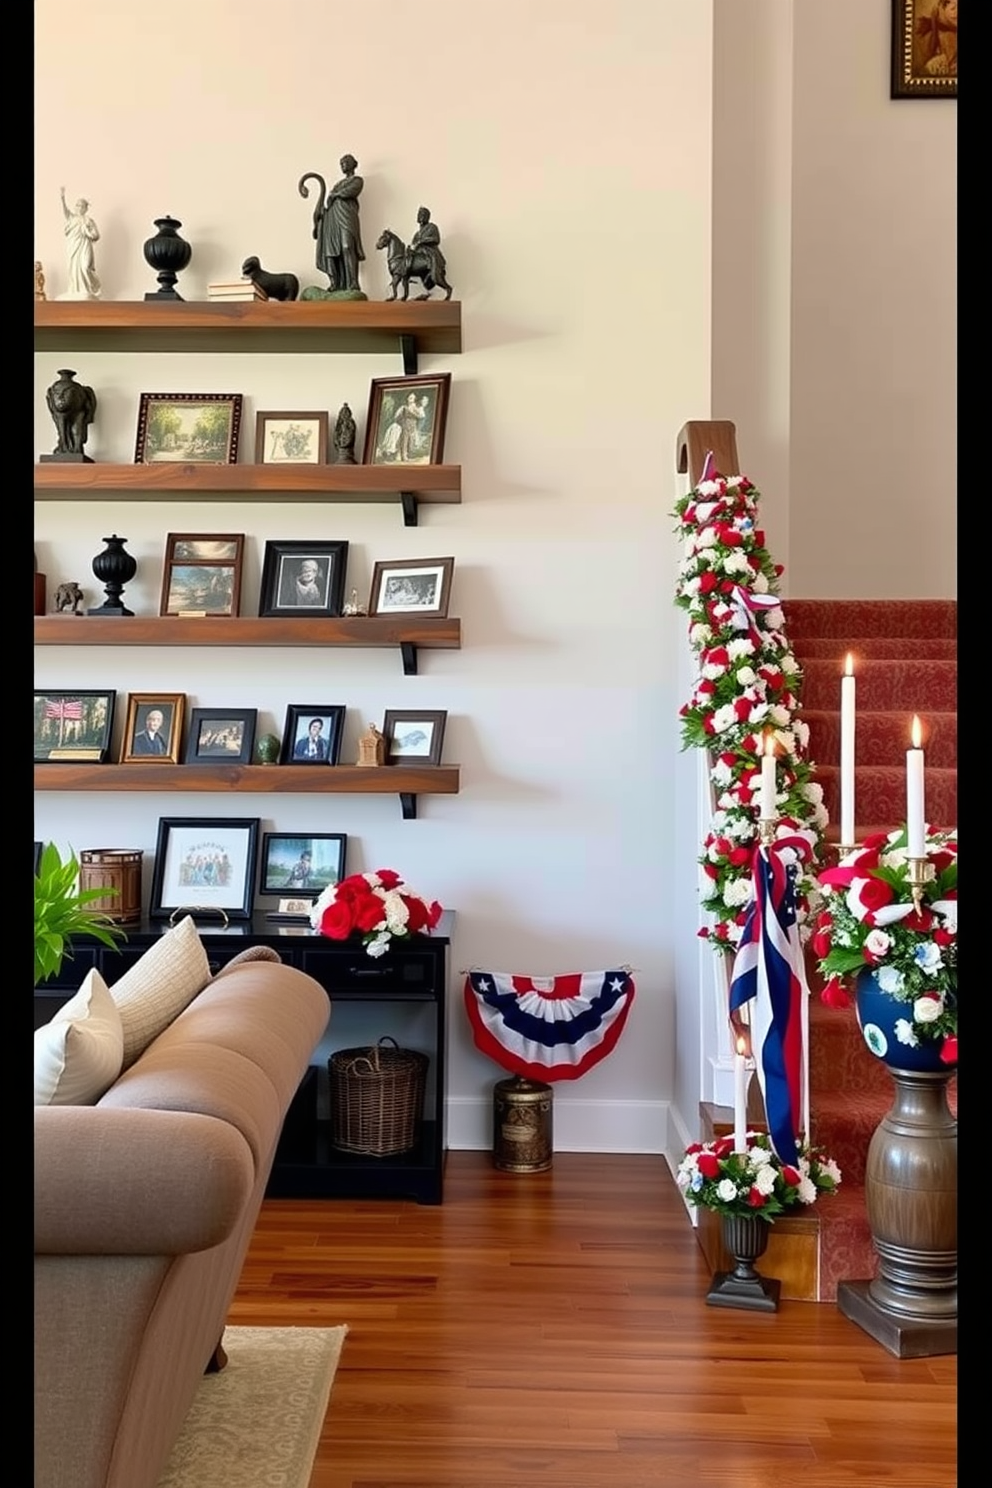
column 921, row 871
column 767, row 827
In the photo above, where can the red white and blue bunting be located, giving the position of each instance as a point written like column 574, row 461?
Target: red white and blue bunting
column 548, row 1028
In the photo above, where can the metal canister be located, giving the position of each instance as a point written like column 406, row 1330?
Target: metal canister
column 113, row 868
column 522, row 1125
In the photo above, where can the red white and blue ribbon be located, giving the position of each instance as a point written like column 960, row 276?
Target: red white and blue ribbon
column 548, row 1028
column 769, row 975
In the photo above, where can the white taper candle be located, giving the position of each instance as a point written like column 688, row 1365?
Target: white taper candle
column 847, row 696
column 915, row 809
column 740, row 1098
column 766, row 809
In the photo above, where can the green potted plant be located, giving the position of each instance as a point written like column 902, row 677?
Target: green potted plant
column 60, row 911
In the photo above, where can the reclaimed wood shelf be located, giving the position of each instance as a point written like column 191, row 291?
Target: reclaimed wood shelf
column 413, row 328
column 409, row 633
column 174, row 481
column 406, row 781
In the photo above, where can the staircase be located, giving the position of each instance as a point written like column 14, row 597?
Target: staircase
column 905, row 663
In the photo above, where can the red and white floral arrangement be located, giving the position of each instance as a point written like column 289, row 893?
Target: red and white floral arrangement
column 746, row 689
column 377, row 906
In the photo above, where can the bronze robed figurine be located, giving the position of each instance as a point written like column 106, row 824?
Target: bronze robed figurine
column 337, row 232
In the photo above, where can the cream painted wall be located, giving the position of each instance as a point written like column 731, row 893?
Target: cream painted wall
column 564, row 150
column 873, row 477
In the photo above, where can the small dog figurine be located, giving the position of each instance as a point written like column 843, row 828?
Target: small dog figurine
column 276, row 286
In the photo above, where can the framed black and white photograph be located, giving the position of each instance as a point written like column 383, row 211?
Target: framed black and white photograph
column 221, row 736
column 406, row 420
column 297, row 865
column 414, row 736
column 73, row 727
column 411, row 586
column 291, row 438
column 188, row 428
column 204, row 863
column 303, row 578
column 202, row 573
column 153, row 729
column 312, row 735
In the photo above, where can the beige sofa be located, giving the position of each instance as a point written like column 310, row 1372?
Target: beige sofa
column 144, row 1206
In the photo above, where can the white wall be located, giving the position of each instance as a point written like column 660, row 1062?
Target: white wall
column 564, row 150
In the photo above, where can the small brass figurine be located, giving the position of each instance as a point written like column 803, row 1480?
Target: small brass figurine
column 39, row 281
column 345, row 431
column 423, row 259
column 353, row 607
column 371, row 747
column 69, row 597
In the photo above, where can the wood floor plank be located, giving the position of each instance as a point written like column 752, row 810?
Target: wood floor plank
column 551, row 1331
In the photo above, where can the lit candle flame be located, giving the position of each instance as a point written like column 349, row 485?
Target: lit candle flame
column 917, row 733
column 769, row 743
column 849, row 665
column 741, row 1046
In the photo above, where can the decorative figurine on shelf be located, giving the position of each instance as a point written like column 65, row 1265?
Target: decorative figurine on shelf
column 73, row 408
column 344, row 437
column 371, row 747
column 338, row 234
column 353, row 607
column 423, row 259
column 69, row 597
column 114, row 568
column 39, row 281
column 168, row 254
column 81, row 233
column 267, row 749
column 276, row 286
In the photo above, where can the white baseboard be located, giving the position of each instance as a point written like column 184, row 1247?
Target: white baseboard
column 577, row 1125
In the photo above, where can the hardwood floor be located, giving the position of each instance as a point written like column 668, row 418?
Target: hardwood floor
column 548, row 1330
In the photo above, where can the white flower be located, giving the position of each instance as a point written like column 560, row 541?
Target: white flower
column 895, row 859
column 726, row 1190
column 779, row 715
column 707, row 538
column 320, row 904
column 758, row 713
column 877, row 943
column 787, row 744
column 948, row 911
column 740, row 827
column 801, row 731
column 740, row 646
column 928, row 1009
column 813, row 791
column 890, row 980
column 737, row 892
column 396, row 913
column 724, row 718
column 830, row 1169
column 806, row 1191
column 927, row 955
column 699, row 634
column 758, row 1157
column 788, row 664
column 736, row 562
column 721, row 774
column 746, row 675
column 904, row 1033
column 774, row 619
column 764, row 1180
column 690, row 588
column 759, row 584
column 708, row 488
column 713, row 669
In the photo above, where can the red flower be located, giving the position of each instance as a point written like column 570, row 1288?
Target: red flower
column 419, row 915
column 921, row 921
column 759, row 537
column 706, row 687
column 728, row 759
column 368, row 913
column 875, row 842
column 791, row 1175
column 336, row 922
column 742, row 709
column 755, row 1198
column 708, row 1165
column 694, row 1147
column 434, row 914
column 943, row 937
column 834, row 994
column 942, row 860
column 388, row 877
column 723, row 1146
column 949, row 1049
column 872, row 893
column 739, row 856
column 707, row 582
column 719, row 656
column 821, row 942
column 711, row 871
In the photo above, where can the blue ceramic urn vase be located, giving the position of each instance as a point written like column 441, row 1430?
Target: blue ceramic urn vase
column 878, row 1014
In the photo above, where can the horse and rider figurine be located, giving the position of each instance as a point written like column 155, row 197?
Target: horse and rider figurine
column 422, row 260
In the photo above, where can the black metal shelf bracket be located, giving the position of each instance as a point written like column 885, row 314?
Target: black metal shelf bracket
column 409, row 500
column 408, row 347
column 408, row 805
column 408, row 651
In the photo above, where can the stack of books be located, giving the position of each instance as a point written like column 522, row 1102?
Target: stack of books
column 238, row 289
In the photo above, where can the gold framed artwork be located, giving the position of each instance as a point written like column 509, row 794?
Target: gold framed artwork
column 924, row 49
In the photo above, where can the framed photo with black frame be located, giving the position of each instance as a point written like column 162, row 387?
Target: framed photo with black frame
column 303, row 578
column 73, row 727
column 414, row 736
column 204, row 865
column 221, row 736
column 296, row 867
column 188, row 428
column 312, row 735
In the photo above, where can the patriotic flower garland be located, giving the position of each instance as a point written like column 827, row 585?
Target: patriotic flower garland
column 713, row 1176
column 746, row 687
column 375, row 906
column 870, row 922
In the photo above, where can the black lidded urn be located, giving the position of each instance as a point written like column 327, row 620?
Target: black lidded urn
column 168, row 254
column 114, row 568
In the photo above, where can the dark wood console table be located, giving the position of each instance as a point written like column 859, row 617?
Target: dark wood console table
column 401, row 995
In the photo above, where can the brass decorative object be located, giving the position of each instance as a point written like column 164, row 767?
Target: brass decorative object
column 522, row 1125
column 371, row 747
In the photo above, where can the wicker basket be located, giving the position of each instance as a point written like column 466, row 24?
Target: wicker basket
column 377, row 1098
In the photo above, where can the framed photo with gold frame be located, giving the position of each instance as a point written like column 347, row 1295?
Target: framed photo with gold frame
column 924, row 49
column 153, row 729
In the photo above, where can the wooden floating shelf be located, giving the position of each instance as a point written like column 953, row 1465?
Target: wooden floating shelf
column 406, row 781
column 431, row 327
column 410, row 634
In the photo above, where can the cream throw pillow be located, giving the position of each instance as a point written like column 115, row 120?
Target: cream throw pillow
column 78, row 1055
column 159, row 985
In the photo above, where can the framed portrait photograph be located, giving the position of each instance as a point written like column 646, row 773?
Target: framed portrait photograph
column 204, row 863
column 312, row 735
column 414, row 736
column 300, row 866
column 202, row 573
column 153, row 729
column 188, row 428
column 73, row 726
column 291, row 439
column 411, row 586
column 303, row 578
column 406, row 420
column 924, row 49
column 221, row 736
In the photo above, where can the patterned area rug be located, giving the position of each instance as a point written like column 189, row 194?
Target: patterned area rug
column 256, row 1424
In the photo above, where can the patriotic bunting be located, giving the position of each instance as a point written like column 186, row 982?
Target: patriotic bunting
column 548, row 1028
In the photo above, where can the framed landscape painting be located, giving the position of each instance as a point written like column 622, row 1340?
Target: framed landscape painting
column 188, row 428
column 73, row 726
column 202, row 573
